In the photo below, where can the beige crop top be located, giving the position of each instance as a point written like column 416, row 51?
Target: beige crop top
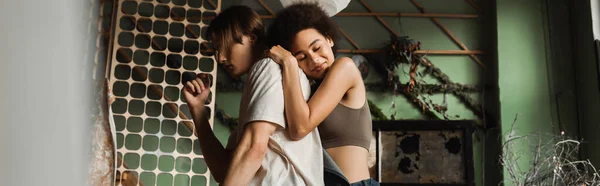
column 347, row 126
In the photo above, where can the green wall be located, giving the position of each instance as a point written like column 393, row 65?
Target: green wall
column 523, row 75
column 548, row 72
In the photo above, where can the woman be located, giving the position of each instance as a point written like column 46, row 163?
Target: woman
column 305, row 36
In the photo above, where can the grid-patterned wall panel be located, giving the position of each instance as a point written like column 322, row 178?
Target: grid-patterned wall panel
column 156, row 43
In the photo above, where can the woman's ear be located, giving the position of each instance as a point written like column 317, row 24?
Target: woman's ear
column 330, row 41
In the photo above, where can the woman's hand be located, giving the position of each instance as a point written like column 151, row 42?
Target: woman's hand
column 281, row 56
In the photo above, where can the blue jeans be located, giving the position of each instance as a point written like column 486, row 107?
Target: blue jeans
column 367, row 182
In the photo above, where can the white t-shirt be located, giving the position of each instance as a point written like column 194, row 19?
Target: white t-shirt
column 286, row 162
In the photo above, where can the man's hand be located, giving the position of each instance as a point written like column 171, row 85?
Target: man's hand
column 196, row 92
column 217, row 158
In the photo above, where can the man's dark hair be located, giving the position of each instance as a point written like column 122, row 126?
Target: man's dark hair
column 233, row 23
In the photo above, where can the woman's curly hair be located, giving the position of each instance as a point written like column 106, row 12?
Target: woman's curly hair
column 298, row 17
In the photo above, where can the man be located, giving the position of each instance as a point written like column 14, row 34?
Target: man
column 259, row 151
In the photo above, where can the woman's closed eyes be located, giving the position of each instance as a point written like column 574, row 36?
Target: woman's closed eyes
column 302, row 56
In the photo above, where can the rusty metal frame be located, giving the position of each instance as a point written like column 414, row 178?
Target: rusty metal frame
column 466, row 126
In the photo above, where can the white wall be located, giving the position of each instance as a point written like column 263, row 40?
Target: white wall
column 45, row 92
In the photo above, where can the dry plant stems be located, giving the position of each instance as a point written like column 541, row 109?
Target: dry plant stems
column 402, row 49
column 555, row 160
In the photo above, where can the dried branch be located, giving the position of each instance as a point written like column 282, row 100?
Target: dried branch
column 555, row 161
column 402, row 49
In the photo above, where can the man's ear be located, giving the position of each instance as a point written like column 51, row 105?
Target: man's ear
column 252, row 38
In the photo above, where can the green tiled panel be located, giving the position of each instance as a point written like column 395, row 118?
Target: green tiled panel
column 169, row 127
column 184, row 145
column 166, row 163
column 150, row 143
column 199, row 166
column 183, row 164
column 149, row 162
column 182, row 180
column 164, row 179
column 167, row 144
column 199, row 180
column 133, row 141
column 132, row 160
column 151, row 126
column 147, row 178
column 134, row 124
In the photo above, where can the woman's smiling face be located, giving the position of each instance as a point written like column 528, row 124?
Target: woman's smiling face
column 313, row 52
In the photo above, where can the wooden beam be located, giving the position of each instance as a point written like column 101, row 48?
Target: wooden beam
column 431, row 52
column 437, row 22
column 266, row 7
column 349, row 38
column 474, row 5
column 379, row 18
column 449, row 52
column 360, row 51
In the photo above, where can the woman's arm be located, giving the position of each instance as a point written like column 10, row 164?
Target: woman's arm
column 304, row 117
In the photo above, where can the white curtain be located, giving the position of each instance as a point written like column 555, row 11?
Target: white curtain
column 332, row 7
